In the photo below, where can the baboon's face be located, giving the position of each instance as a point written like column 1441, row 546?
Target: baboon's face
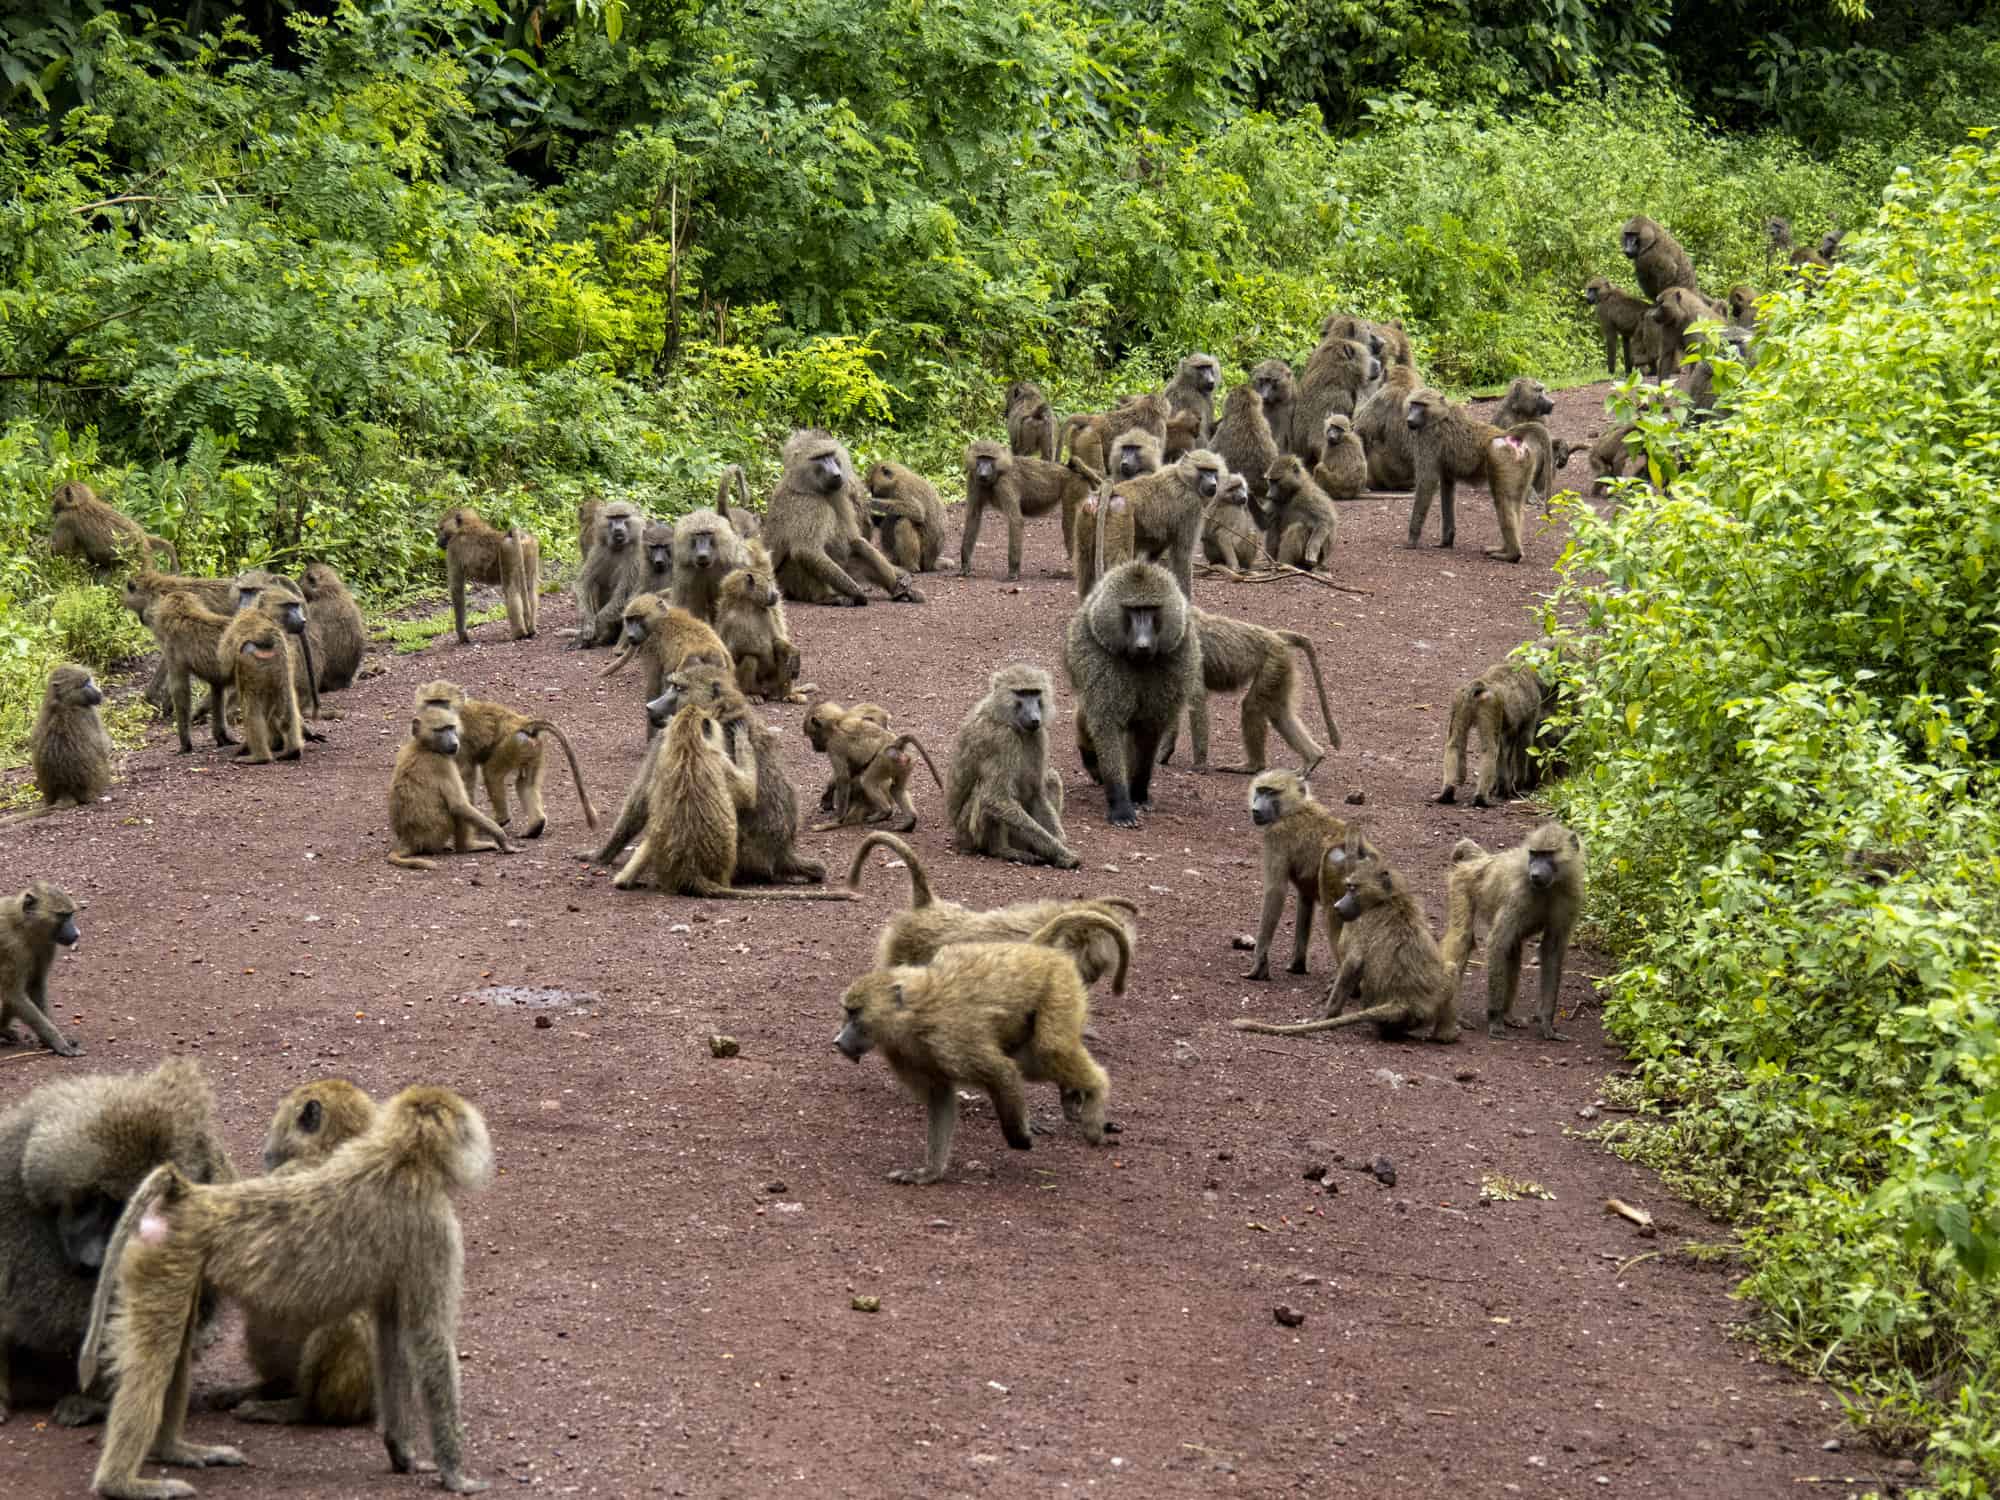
column 1542, row 404
column 1131, row 461
column 1236, row 491
column 621, row 526
column 826, row 471
column 700, row 549
column 1206, row 376
column 307, row 1122
column 1269, row 390
column 1376, row 344
column 76, row 688
column 1541, row 868
column 853, row 1039
column 292, row 616
column 1657, row 314
column 635, row 629
column 52, row 911
column 1267, row 805
column 1142, row 631
column 1281, row 476
column 1207, row 479
column 1027, row 712
column 661, row 709
column 1632, row 241
column 1336, row 429
column 819, row 726
column 84, row 1222
column 436, row 729
column 985, row 468
column 660, row 556
column 448, row 528
column 1419, row 413
column 1594, row 290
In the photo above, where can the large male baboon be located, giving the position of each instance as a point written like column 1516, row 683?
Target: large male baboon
column 613, row 570
column 1339, row 377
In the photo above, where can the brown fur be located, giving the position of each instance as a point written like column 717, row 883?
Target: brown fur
column 190, row 637
column 1505, row 704
column 750, row 620
column 1658, row 261
column 1302, row 522
column 1133, row 452
column 1230, row 536
column 812, row 525
column 1384, row 428
column 1239, row 657
column 664, row 637
column 429, row 812
column 1192, row 392
column 1004, row 797
column 69, row 747
column 1183, row 435
column 613, row 570
column 1526, row 400
column 497, row 746
column 1534, row 888
column 83, row 526
column 1299, row 831
column 1451, row 444
column 511, row 560
column 732, row 502
column 334, row 625
column 907, row 516
column 1678, row 310
column 32, row 925
column 1088, row 435
column 658, row 540
column 1031, row 422
column 1243, row 438
column 1156, row 515
column 706, row 549
column 270, row 669
column 1342, row 468
column 869, row 756
column 1278, row 390
column 1016, row 486
column 1339, row 377
column 1618, row 315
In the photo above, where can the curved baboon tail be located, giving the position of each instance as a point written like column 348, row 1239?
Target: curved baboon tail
column 165, row 1181
column 920, row 886
column 619, row 661
column 1301, row 644
column 1466, row 849
column 155, row 544
column 1457, row 728
column 1051, row 933
column 537, row 727
column 910, row 739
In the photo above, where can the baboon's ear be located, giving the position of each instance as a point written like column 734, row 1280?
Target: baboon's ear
column 416, row 724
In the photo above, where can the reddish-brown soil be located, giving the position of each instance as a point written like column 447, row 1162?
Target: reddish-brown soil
column 659, row 1284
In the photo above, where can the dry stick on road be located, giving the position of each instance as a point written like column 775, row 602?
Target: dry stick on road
column 1277, row 571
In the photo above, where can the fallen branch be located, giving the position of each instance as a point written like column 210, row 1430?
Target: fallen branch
column 1277, row 572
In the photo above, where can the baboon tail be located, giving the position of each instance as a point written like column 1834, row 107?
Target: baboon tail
column 165, row 1181
column 920, row 886
column 159, row 544
column 1303, row 645
column 412, row 862
column 708, row 890
column 1072, row 425
column 1466, row 849
column 618, row 662
column 1052, row 932
column 910, row 739
column 538, row 727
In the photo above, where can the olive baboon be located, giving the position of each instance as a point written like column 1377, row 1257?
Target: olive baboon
column 1088, row 435
column 1157, row 514
column 1547, row 453
column 190, row 638
column 1339, row 377
column 812, row 524
column 1016, row 487
column 1451, row 444
column 866, row 756
column 32, row 926
column 665, row 637
column 83, row 526
column 1031, row 422
column 1342, row 468
column 1383, row 425
column 706, row 549
column 335, row 630
column 1132, row 453
column 658, row 540
column 1505, row 703
column 1299, row 830
column 1678, row 310
column 69, row 746
column 733, row 483
column 1534, row 888
column 915, row 934
column 497, row 745
column 1275, row 386
column 1237, row 655
column 1193, row 390
column 750, row 619
column 613, row 570
column 371, row 1229
column 1742, row 304
column 1230, row 535
column 1527, row 400
column 1004, row 797
column 429, row 812
column 1618, row 313
column 269, row 668
column 1302, row 521
column 991, row 1016
column 907, row 517
column 1183, row 435
column 587, row 512
column 1243, row 439
column 1387, row 341
column 285, row 604
column 1658, row 261
column 475, row 552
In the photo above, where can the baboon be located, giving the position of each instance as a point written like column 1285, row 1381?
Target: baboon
column 1278, row 390
column 1303, row 523
column 335, row 630
column 658, row 540
column 1527, row 400
column 1388, row 959
column 1742, row 303
column 750, row 620
column 1134, row 664
column 1547, row 453
column 704, row 550
column 69, row 746
column 1383, row 425
column 1157, row 514
column 190, row 638
column 1243, row 439
column 1183, row 435
column 813, row 526
column 1677, row 310
column 1230, row 535
column 1088, row 435
column 264, row 645
column 71, row 1152
column 1031, row 422
column 1451, row 444
column 1237, row 656
column 370, row 1229
column 429, row 812
column 81, row 525
column 32, row 926
column 1004, row 797
column 497, row 745
column 907, row 516
column 1298, row 832
column 915, row 934
column 587, row 512
column 1016, row 487
column 991, row 1016
column 613, row 570
column 1611, row 457
column 1193, row 390
column 744, row 521
column 1132, row 453
column 866, row 754
column 1534, row 888
column 1618, row 313
column 145, row 587
column 1387, row 341
column 285, row 603
column 1342, row 469
column 1696, row 381
column 665, row 637
column 1506, row 704
column 1657, row 258
column 1339, row 377
column 475, row 552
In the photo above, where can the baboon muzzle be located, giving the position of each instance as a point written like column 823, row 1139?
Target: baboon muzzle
column 634, row 632
column 1541, row 871
column 704, row 550
column 67, row 934
column 1347, row 908
column 852, row 1042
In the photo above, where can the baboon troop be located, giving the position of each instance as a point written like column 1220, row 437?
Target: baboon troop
column 1534, row 889
column 907, row 517
column 1506, row 704
column 69, row 747
column 475, row 553
column 812, row 526
column 102, row 536
column 1004, row 797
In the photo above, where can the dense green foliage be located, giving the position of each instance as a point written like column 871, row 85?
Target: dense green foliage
column 1784, row 703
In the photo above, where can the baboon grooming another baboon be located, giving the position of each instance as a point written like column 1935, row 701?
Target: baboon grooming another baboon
column 69, row 746
column 1339, row 377
column 613, row 570
column 71, row 1152
column 1388, row 959
column 1342, row 468
column 705, row 550
column 907, row 516
column 750, row 619
column 1031, row 422
column 1230, row 535
column 1534, row 888
column 1239, row 657
column 1004, row 797
column 1618, row 313
column 1193, row 390
column 1298, row 833
column 1016, row 487
column 1657, row 258
column 1303, row 523
column 991, row 1016
column 335, row 629
column 32, row 926
column 915, row 934
column 1451, row 444
column 665, row 637
column 81, row 525
column 475, row 552
column 1505, row 703
column 812, row 524
column 1383, row 426
column 429, row 812
column 870, row 757
column 370, row 1229
column 497, row 745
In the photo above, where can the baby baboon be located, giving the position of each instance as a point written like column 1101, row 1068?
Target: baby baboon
column 813, row 527
column 1535, row 887
column 991, row 1016
column 1451, row 444
column 69, row 746
column 1134, row 452
column 1183, row 435
column 81, row 525
column 1230, row 535
column 1243, row 439
column 1157, row 514
column 1383, row 425
column 1527, row 400
column 1272, row 379
column 1016, row 487
column 1388, row 959
column 370, row 1229
column 1237, row 655
column 1657, row 258
column 32, row 925
column 269, row 668
column 665, row 637
column 336, row 633
column 1298, row 833
column 704, row 550
column 1506, row 704
column 915, row 934
column 734, row 484
column 1342, row 468
column 1303, row 523
column 1031, row 422
column 1678, row 310
column 190, row 638
column 71, row 1152
column 1341, row 375
column 1004, row 797
column 1193, row 390
column 907, row 516
column 866, row 754
column 750, row 620
column 1618, row 313
column 429, row 812
column 512, row 560
column 613, row 570
column 497, row 745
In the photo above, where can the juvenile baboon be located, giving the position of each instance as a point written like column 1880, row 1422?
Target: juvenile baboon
column 335, row 630
column 1534, row 888
column 867, row 756
column 1505, row 703
column 1547, row 454
column 285, row 604
column 1657, row 258
column 268, row 661
column 1031, row 422
column 1016, row 487
column 1004, row 797
column 1183, row 435
column 69, row 746
column 1157, row 515
column 705, row 549
column 1132, row 453
column 81, row 525
column 991, row 1016
column 658, row 540
column 1193, row 390
column 1303, row 522
column 190, row 638
column 1239, row 657
column 1618, row 313
column 1342, row 468
column 1451, row 444
column 613, row 570
column 32, row 926
column 1383, row 426
column 915, row 934
column 475, row 552
column 1298, row 832
column 1678, row 310
column 1276, row 387
column 750, row 620
column 429, row 812
column 907, row 516
column 1088, row 435
column 1243, row 439
column 813, row 527
column 1742, row 303
column 1230, row 535
column 1339, row 377
column 370, row 1229
column 496, row 745
column 1388, row 959
column 734, row 484
column 71, row 1152
column 1527, row 400
column 664, row 637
